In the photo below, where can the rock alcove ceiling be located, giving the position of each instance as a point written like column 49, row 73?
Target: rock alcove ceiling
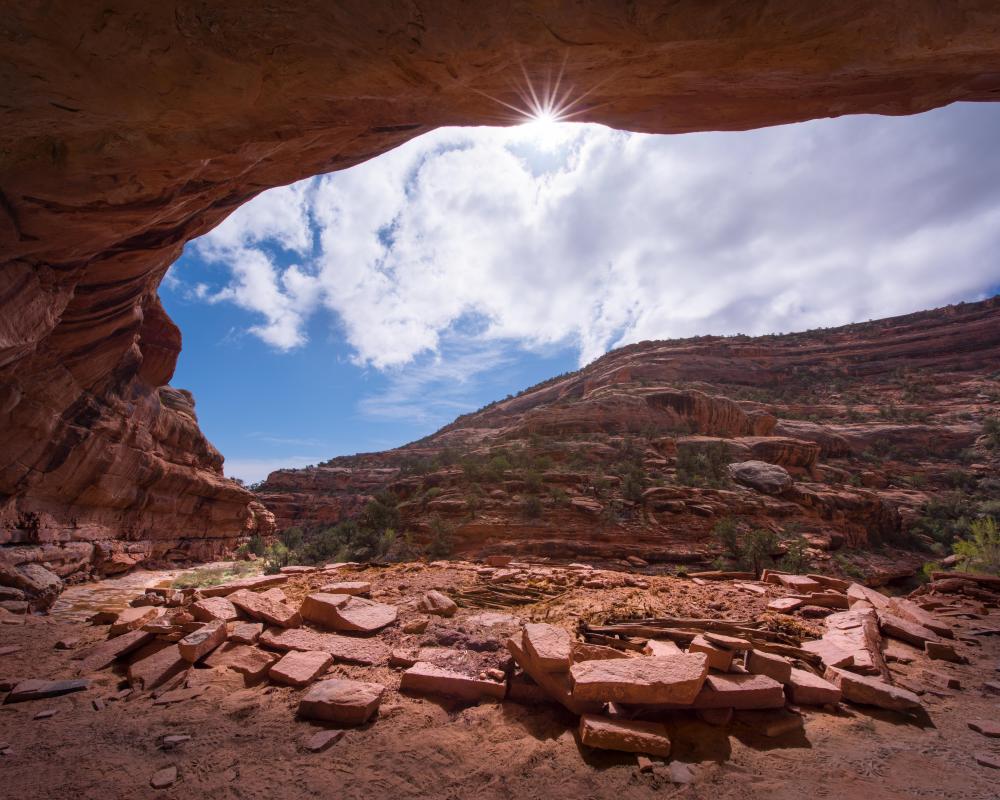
column 132, row 127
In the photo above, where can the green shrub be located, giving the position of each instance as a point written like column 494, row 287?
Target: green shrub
column 758, row 546
column 727, row 531
column 795, row 558
column 440, row 543
column 991, row 427
column 981, row 550
column 706, row 466
column 532, row 507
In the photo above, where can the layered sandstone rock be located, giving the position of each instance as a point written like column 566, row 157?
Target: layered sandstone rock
column 131, row 131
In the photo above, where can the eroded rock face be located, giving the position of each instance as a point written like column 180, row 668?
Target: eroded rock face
column 148, row 124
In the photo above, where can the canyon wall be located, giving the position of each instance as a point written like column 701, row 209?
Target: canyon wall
column 131, row 127
column 852, row 437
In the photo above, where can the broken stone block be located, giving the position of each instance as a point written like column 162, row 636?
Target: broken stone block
column 252, row 584
column 647, row 679
column 132, row 619
column 832, row 654
column 342, row 701
column 549, row 646
column 718, row 658
column 274, row 594
column 857, row 593
column 418, row 625
column 435, row 602
column 250, row 662
column 581, row 651
column 556, row 685
column 988, row 760
column 905, row 630
column 105, row 653
column 424, row 678
column 164, row 778
column 627, row 736
column 300, row 667
column 149, row 672
column 740, row 692
column 297, row 569
column 322, row 740
column 199, row 644
column 353, row 588
column 798, row 583
column 321, row 608
column 210, row 609
column 659, row 647
column 774, row 666
column 343, row 648
column 38, row 689
column 987, row 727
column 942, row 651
column 866, row 690
column 733, row 643
column 265, row 609
column 806, row 689
column 246, row 632
column 910, row 611
column 784, row 605
column 179, row 695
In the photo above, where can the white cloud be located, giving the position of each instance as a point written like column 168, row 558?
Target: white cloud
column 596, row 238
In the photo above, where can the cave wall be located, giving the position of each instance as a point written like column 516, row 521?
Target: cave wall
column 132, row 127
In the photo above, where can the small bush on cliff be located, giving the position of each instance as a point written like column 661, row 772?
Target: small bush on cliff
column 795, row 558
column 440, row 543
column 706, row 466
column 991, row 428
column 727, row 531
column 981, row 550
column 532, row 507
column 758, row 546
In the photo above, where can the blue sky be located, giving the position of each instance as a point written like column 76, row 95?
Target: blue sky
column 363, row 309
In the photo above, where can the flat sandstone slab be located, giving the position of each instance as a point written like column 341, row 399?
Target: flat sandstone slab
column 342, row 648
column 869, row 691
column 343, row 701
column 258, row 582
column 105, row 653
column 424, row 678
column 806, row 689
column 549, row 646
column 300, row 667
column 647, row 679
column 627, row 736
column 37, row 689
column 266, row 609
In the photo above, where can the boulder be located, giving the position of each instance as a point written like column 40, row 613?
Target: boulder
column 265, row 609
column 807, row 689
column 342, row 701
column 435, row 602
column 761, row 476
column 549, row 646
column 300, row 667
column 41, row 585
column 628, row 736
column 203, row 641
column 869, row 691
column 424, row 678
column 646, row 679
column 209, row 609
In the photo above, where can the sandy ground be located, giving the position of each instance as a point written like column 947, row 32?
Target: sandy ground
column 247, row 742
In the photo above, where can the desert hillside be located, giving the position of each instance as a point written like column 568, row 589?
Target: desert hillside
column 863, row 449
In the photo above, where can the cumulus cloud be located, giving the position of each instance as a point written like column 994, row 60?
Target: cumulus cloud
column 592, row 238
